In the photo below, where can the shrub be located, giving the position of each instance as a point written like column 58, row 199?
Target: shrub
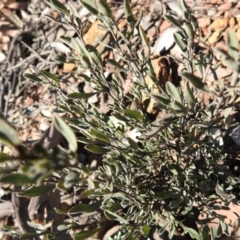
column 152, row 173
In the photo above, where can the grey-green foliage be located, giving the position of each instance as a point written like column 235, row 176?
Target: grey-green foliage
column 157, row 179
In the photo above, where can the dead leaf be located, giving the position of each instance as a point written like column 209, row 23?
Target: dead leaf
column 219, row 24
column 95, row 34
column 68, row 67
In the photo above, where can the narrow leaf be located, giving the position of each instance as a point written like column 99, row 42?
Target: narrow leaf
column 144, row 39
column 172, row 20
column 77, row 95
column 161, row 98
column 179, row 107
column 173, row 91
column 67, row 132
column 114, row 63
column 128, row 13
column 32, row 77
column 195, row 81
column 193, row 233
column 8, row 135
column 99, row 135
column 85, row 208
column 114, row 216
column 133, row 114
column 17, row 179
column 96, row 149
column 232, row 44
column 37, row 191
column 103, row 8
column 83, row 235
column 28, row 236
column 189, row 96
column 90, row 6
column 182, row 5
column 50, row 76
column 180, row 42
column 57, row 5
column 162, row 195
column 95, row 55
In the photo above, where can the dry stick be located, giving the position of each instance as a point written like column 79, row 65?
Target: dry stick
column 32, row 50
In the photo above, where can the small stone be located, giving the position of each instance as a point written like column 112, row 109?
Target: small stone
column 212, row 11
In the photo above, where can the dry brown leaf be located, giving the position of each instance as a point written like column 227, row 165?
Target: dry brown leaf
column 97, row 33
column 214, row 37
column 161, row 66
column 219, row 24
column 68, row 67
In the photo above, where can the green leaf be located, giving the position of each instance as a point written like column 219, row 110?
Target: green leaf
column 199, row 67
column 59, row 211
column 90, row 6
column 180, row 42
column 179, row 107
column 213, row 232
column 63, row 186
column 83, row 235
column 95, row 55
column 161, row 98
column 133, row 114
column 96, row 149
column 114, row 216
column 204, row 233
column 189, row 30
column 86, row 62
column 67, row 132
column 145, row 41
column 114, row 63
column 103, row 8
column 173, row 91
column 32, row 77
column 58, row 58
column 193, row 233
column 175, row 203
column 86, row 193
column 58, row 5
column 85, row 208
column 132, row 143
column 77, row 95
column 146, row 230
column 128, row 13
column 232, row 44
column 37, row 191
column 173, row 20
column 189, row 96
column 28, row 236
column 182, row 5
column 99, row 135
column 50, row 76
column 8, row 135
column 219, row 190
column 162, row 195
column 17, row 179
column 195, row 81
column 4, row 157
column 53, row 19
column 73, row 10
